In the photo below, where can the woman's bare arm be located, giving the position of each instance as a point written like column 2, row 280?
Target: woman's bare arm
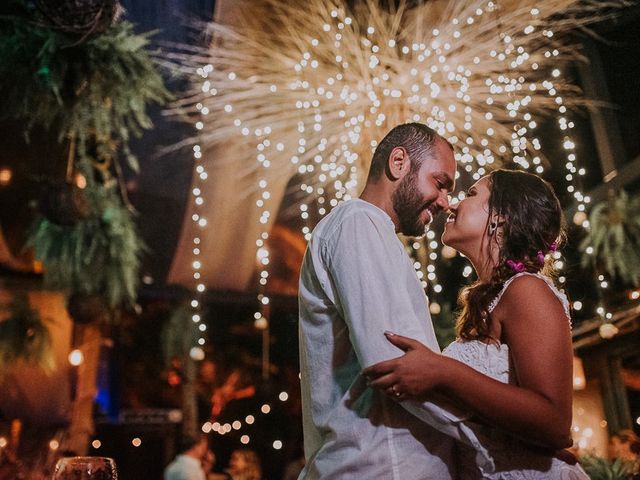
column 537, row 331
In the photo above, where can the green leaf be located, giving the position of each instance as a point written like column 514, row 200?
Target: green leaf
column 100, row 254
column 614, row 235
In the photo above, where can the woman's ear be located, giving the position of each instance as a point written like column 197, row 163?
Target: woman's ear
column 399, row 163
column 495, row 225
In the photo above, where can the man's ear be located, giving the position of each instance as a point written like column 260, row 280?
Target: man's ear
column 398, row 164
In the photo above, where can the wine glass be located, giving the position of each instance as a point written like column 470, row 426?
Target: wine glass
column 85, row 468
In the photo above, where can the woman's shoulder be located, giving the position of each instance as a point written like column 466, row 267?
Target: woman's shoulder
column 528, row 280
column 531, row 290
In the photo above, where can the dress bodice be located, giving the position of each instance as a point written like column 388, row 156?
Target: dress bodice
column 488, row 358
column 492, row 359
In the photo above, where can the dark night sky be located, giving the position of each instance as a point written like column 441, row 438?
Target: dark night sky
column 161, row 190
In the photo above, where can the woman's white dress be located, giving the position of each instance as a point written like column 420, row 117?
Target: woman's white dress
column 512, row 460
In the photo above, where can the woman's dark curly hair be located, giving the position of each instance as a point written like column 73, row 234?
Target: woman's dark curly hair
column 531, row 219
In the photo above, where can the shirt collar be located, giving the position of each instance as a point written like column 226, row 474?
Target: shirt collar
column 374, row 208
column 190, row 460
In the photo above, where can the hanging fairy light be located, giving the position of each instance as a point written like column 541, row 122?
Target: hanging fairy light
column 573, row 175
column 262, row 252
column 200, row 222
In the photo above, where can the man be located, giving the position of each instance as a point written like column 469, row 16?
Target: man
column 187, row 465
column 357, row 282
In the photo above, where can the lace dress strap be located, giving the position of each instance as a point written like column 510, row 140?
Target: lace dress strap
column 561, row 296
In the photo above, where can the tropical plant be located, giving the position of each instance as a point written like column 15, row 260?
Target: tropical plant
column 100, row 254
column 599, row 468
column 23, row 336
column 96, row 90
column 613, row 239
column 93, row 93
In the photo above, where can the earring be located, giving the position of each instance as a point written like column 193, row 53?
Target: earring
column 493, row 226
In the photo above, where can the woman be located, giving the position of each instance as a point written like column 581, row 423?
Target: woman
column 512, row 363
column 625, row 445
column 244, row 465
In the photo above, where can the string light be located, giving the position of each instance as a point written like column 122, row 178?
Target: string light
column 5, row 176
column 262, row 252
column 237, row 424
column 76, row 357
column 585, row 428
column 200, row 222
column 316, row 110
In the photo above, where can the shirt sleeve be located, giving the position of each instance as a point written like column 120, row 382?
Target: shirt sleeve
column 368, row 273
column 455, row 423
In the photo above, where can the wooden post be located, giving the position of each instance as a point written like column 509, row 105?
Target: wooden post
column 189, row 404
column 89, row 338
column 603, row 120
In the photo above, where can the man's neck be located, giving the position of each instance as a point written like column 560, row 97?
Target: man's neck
column 381, row 197
column 193, row 455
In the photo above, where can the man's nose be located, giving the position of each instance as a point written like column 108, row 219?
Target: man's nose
column 443, row 201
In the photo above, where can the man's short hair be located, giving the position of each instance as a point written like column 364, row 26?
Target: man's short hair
column 416, row 138
column 187, row 442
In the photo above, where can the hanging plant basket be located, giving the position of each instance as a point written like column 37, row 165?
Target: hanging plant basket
column 87, row 308
column 63, row 203
column 613, row 241
column 99, row 255
column 97, row 89
column 81, row 18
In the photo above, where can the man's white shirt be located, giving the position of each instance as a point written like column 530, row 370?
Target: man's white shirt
column 184, row 467
column 357, row 282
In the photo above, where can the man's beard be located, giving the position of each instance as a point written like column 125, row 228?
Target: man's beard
column 408, row 204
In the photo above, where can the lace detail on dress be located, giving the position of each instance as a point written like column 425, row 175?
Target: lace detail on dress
column 487, row 358
column 561, row 296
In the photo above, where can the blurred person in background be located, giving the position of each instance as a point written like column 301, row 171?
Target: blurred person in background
column 625, row 445
column 192, row 457
column 244, row 465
